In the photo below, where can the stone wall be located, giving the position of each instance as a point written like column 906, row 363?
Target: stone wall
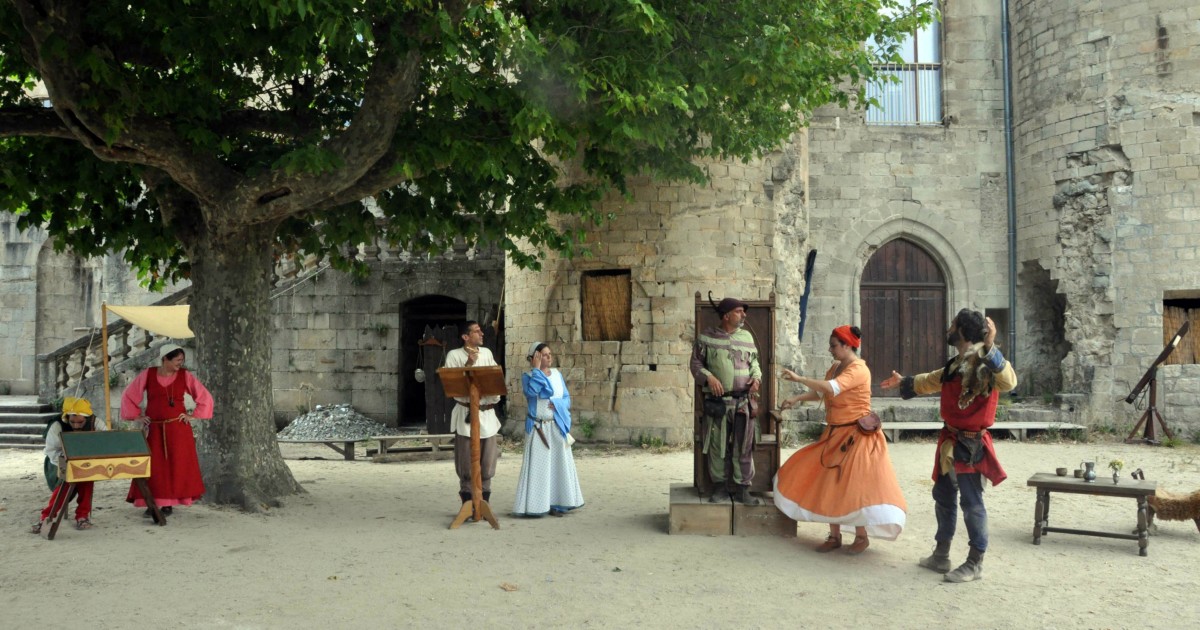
column 941, row 187
column 48, row 299
column 1108, row 153
column 675, row 239
column 337, row 339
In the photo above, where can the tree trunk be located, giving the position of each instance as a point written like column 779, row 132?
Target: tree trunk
column 231, row 316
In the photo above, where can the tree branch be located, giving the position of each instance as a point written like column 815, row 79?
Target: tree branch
column 32, row 121
column 390, row 90
column 146, row 141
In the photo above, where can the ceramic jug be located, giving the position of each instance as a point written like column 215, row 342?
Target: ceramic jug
column 1089, row 471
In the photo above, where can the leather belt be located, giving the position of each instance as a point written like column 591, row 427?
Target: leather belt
column 487, row 407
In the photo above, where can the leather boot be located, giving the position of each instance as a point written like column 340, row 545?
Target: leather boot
column 465, row 496
column 745, row 498
column 487, row 495
column 719, row 495
column 940, row 559
column 970, row 570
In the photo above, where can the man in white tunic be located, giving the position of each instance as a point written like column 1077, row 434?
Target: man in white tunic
column 473, row 354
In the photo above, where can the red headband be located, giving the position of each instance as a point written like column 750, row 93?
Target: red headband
column 847, row 336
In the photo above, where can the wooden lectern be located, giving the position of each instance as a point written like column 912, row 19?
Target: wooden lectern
column 104, row 456
column 474, row 382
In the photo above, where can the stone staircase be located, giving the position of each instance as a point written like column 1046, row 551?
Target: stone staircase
column 22, row 421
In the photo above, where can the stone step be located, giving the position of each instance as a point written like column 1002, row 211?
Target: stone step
column 24, row 404
column 9, row 419
column 22, row 429
column 1033, row 414
column 20, row 447
column 35, row 408
column 19, row 440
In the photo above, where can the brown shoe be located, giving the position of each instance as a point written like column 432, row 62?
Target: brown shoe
column 831, row 543
column 860, row 545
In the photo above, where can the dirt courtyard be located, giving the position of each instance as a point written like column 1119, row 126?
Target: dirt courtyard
column 368, row 546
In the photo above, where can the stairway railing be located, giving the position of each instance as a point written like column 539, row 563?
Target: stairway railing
column 78, row 366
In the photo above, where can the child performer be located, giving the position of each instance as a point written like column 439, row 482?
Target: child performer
column 76, row 416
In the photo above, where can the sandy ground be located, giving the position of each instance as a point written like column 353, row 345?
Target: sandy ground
column 369, row 546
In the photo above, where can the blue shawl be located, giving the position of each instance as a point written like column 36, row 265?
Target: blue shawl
column 537, row 386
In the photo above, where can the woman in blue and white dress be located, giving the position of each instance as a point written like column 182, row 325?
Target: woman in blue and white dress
column 548, row 482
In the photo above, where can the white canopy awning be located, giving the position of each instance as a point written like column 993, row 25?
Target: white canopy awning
column 168, row 321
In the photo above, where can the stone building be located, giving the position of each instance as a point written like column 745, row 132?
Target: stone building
column 337, row 339
column 907, row 207
column 50, row 299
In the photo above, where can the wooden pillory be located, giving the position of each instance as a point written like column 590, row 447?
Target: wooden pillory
column 690, row 512
column 104, row 456
column 474, row 382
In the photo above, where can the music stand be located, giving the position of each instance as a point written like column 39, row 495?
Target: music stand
column 474, row 382
column 104, row 456
column 1150, row 379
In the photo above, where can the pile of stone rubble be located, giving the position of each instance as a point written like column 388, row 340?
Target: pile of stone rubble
column 334, row 422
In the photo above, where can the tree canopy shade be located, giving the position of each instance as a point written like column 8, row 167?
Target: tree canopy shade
column 201, row 137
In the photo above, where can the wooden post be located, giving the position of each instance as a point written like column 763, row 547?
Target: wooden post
column 104, row 358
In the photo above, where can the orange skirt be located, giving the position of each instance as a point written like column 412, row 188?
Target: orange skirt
column 845, row 478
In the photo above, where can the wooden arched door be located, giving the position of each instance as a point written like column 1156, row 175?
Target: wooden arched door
column 903, row 296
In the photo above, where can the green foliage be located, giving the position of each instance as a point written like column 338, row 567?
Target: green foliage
column 652, row 442
column 1172, row 442
column 478, row 119
column 587, row 427
column 1077, row 435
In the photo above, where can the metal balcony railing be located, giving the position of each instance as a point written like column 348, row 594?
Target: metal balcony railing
column 914, row 98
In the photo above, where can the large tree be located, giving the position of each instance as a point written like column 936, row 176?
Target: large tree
column 203, row 138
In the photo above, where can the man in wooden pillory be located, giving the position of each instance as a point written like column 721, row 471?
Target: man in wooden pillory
column 725, row 363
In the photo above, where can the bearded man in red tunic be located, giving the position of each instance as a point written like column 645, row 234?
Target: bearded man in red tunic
column 970, row 386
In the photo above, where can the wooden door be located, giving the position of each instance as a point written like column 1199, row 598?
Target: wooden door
column 760, row 321
column 903, row 294
column 436, row 343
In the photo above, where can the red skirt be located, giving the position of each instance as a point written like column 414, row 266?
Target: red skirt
column 174, row 468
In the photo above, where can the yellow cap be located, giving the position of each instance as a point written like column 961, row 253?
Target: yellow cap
column 79, row 406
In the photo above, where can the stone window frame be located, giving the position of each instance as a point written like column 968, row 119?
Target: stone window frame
column 924, row 66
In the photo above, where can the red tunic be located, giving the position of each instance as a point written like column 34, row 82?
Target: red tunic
column 174, row 468
column 978, row 415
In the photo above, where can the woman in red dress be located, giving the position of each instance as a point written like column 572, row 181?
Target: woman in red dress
column 846, row 477
column 174, row 468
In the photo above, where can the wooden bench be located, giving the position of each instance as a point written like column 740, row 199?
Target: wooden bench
column 346, row 449
column 437, row 443
column 1018, row 429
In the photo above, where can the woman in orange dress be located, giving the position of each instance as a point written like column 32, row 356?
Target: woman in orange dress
column 846, row 477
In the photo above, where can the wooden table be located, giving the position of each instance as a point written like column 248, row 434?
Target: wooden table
column 1102, row 486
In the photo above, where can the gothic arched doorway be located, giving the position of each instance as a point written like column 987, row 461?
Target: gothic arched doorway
column 903, row 297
